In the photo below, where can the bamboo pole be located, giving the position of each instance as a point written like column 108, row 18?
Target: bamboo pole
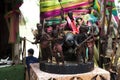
column 103, row 21
column 109, row 21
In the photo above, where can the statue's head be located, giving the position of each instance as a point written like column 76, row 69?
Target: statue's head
column 69, row 39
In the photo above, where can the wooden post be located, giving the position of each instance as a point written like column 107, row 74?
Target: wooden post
column 24, row 51
column 109, row 21
column 103, row 21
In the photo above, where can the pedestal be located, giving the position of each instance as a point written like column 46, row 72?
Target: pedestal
column 37, row 74
column 67, row 68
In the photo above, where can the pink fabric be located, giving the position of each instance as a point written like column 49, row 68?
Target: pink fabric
column 72, row 25
column 49, row 29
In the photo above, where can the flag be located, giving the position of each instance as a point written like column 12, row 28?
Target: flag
column 96, row 5
column 115, row 14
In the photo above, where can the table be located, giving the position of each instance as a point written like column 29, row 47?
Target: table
column 37, row 74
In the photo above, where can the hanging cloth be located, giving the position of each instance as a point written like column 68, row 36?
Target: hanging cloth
column 72, row 24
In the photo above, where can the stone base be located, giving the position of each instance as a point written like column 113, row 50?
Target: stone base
column 67, row 68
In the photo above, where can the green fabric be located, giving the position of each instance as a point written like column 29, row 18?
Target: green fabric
column 16, row 72
column 55, row 21
column 114, row 12
column 87, row 53
column 96, row 53
column 96, row 5
column 109, row 3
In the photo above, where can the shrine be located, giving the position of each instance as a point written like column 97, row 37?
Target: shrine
column 75, row 40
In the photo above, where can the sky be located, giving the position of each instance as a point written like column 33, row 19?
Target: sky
column 30, row 11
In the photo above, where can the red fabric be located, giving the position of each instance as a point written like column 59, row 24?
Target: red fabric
column 72, row 25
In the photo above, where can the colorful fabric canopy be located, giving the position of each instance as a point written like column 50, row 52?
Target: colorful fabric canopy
column 52, row 8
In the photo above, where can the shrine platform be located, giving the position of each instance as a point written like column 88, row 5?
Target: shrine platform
column 37, row 74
